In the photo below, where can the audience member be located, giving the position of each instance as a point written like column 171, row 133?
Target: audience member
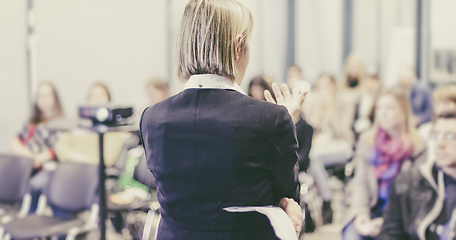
column 363, row 115
column 257, row 87
column 296, row 80
column 419, row 98
column 444, row 99
column 36, row 141
column 99, row 94
column 422, row 202
column 157, row 90
column 353, row 78
column 331, row 115
column 392, row 145
column 84, row 147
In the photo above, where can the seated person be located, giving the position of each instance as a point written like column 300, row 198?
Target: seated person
column 296, row 80
column 422, row 202
column 363, row 113
column 83, row 147
column 36, row 141
column 157, row 90
column 391, row 146
column 419, row 98
column 444, row 100
column 257, row 87
column 331, row 116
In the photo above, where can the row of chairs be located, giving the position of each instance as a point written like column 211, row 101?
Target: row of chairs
column 73, row 189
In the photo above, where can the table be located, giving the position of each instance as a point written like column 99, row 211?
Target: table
column 73, row 125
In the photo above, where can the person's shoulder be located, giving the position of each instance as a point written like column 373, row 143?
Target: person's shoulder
column 406, row 180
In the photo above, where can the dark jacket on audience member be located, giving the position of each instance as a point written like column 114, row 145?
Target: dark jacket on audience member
column 304, row 133
column 214, row 148
column 416, row 200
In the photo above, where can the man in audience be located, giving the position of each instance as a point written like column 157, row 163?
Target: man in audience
column 422, row 202
column 444, row 99
column 419, row 98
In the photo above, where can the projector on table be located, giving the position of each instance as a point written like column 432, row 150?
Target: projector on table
column 113, row 115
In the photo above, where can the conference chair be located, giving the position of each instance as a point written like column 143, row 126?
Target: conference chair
column 73, row 190
column 15, row 198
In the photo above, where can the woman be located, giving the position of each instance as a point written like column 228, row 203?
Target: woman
column 84, row 147
column 211, row 146
column 257, row 87
column 330, row 114
column 99, row 94
column 392, row 145
column 157, row 90
column 36, row 141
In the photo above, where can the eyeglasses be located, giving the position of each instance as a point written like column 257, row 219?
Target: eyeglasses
column 449, row 136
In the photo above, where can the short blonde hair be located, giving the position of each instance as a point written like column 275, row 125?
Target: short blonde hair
column 209, row 30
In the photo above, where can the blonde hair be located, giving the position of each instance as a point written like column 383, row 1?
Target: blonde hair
column 209, row 31
column 407, row 126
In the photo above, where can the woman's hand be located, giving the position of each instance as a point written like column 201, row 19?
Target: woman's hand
column 362, row 224
column 378, row 223
column 292, row 101
column 293, row 211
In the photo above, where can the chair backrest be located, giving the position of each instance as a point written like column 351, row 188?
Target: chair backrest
column 15, row 174
column 73, row 187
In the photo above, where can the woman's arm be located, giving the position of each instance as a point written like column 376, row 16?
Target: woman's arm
column 18, row 148
column 361, row 198
column 284, row 173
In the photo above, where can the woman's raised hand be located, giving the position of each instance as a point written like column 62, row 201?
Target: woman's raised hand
column 292, row 101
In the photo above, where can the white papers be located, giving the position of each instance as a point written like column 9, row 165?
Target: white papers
column 280, row 222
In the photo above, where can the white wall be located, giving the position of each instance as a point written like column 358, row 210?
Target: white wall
column 14, row 106
column 319, row 36
column 120, row 43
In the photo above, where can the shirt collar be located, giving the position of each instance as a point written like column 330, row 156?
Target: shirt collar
column 212, row 81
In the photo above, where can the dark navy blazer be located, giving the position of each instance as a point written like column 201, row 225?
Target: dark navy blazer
column 214, row 148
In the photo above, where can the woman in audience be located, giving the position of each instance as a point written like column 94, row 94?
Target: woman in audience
column 99, row 94
column 391, row 146
column 211, row 147
column 157, row 90
column 84, row 147
column 331, row 115
column 36, row 141
column 257, row 87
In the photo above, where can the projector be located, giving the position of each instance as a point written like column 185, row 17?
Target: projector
column 108, row 115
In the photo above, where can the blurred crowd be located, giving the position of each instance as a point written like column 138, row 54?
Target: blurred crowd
column 366, row 134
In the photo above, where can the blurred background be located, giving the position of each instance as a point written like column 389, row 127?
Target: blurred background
column 124, row 44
